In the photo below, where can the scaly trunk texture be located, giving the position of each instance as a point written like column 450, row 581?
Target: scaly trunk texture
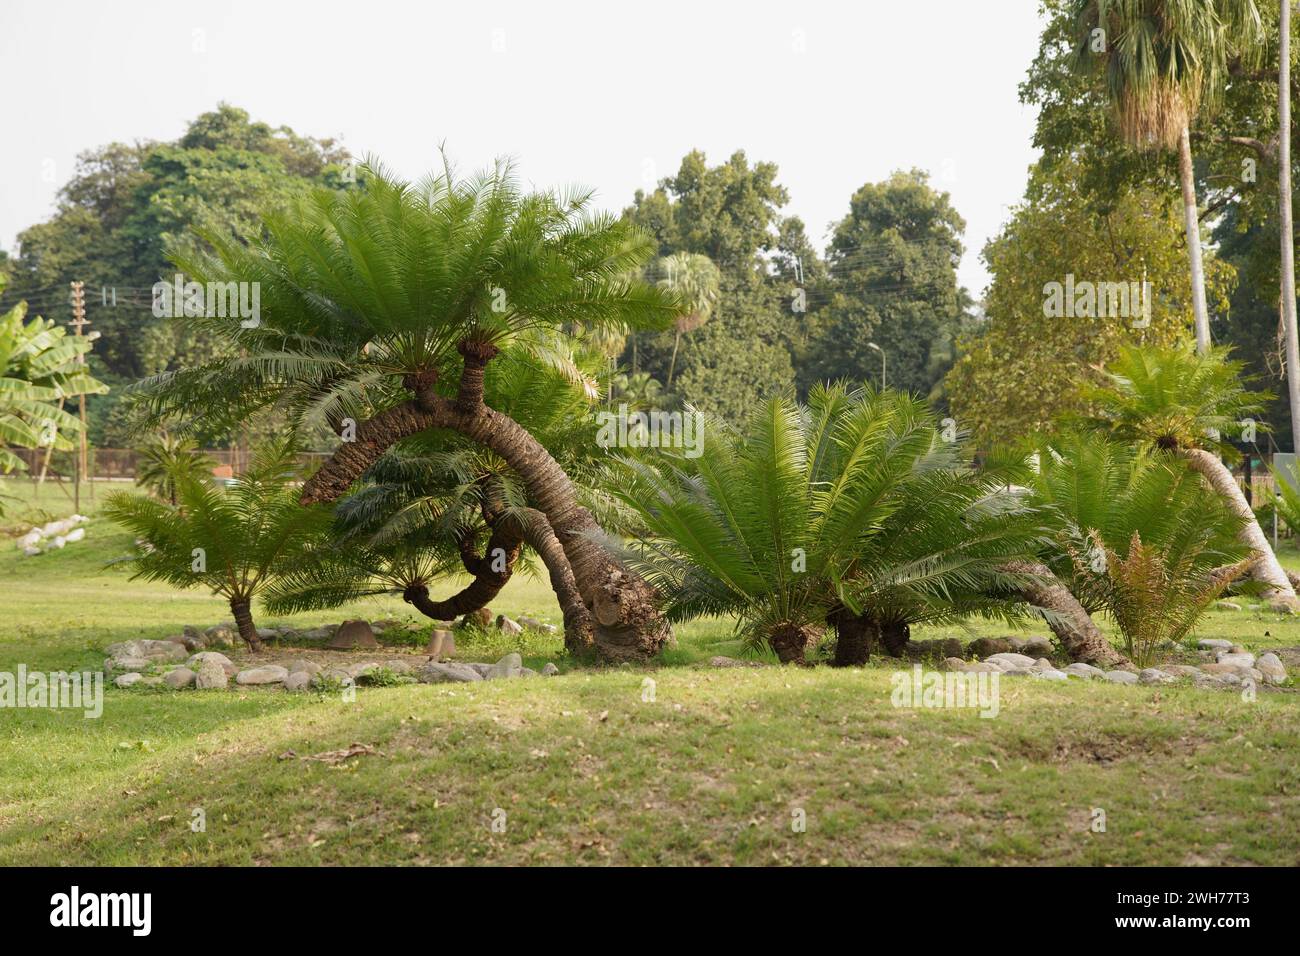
column 1193, row 228
column 244, row 621
column 628, row 625
column 486, row 584
column 1264, row 564
column 1071, row 624
column 855, row 637
column 578, row 631
column 894, row 635
column 790, row 642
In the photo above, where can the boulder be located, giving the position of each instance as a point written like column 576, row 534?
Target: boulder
column 1153, row 675
column 1086, row 671
column 512, row 665
column 535, row 625
column 980, row 667
column 1008, row 660
column 1036, row 647
column 298, row 680
column 353, row 634
column 128, row 680
column 988, row 646
column 1181, row 670
column 1121, row 677
column 480, row 618
column 361, row 669
column 1271, row 667
column 158, row 652
column 952, row 664
column 179, row 678
column 435, row 673
column 1051, row 674
column 221, row 660
column 317, row 634
column 399, row 666
column 221, row 635
column 266, row 674
column 304, row 666
column 211, row 676
column 550, row 670
column 507, row 626
column 1213, row 644
column 1242, row 659
column 126, row 664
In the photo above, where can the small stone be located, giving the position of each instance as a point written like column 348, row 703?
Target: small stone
column 203, row 657
column 221, row 635
column 191, row 642
column 298, row 680
column 1227, row 605
column 128, row 680
column 399, row 666
column 1244, row 659
column 317, row 634
column 211, row 676
column 507, row 626
column 179, row 678
column 359, row 670
column 952, row 664
column 435, row 673
column 304, row 666
column 1181, row 670
column 1051, row 674
column 266, row 674
column 1153, row 675
column 1018, row 672
column 1271, row 666
column 1121, row 677
column 550, row 670
column 511, row 665
column 980, row 667
column 1086, row 671
column 1011, row 660
column 535, row 625
column 126, row 664
column 988, row 646
column 1213, row 644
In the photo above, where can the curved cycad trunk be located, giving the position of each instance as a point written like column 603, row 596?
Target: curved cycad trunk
column 623, row 607
column 240, row 607
column 1264, row 565
column 1075, row 630
column 491, row 573
column 578, row 631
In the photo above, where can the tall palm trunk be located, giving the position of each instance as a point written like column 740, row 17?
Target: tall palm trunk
column 1074, row 628
column 672, row 362
column 1287, row 227
column 623, row 606
column 1193, row 226
column 1264, row 566
column 244, row 621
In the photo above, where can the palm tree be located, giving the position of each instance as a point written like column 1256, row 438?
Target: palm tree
column 852, row 511
column 385, row 304
column 167, row 460
column 1139, row 535
column 1183, row 403
column 40, row 369
column 1163, row 63
column 234, row 541
column 697, row 281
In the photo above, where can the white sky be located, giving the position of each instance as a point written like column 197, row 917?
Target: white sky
column 604, row 94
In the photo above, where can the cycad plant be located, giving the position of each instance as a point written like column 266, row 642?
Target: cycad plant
column 40, row 369
column 234, row 541
column 167, row 460
column 855, row 510
column 1188, row 405
column 1138, row 536
column 382, row 307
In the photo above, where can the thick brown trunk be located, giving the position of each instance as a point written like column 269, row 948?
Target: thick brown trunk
column 623, row 606
column 1264, row 565
column 578, row 630
column 1073, row 627
column 502, row 551
column 855, row 638
column 790, row 642
column 895, row 635
column 244, row 621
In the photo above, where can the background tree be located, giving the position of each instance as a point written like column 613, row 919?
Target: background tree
column 695, row 280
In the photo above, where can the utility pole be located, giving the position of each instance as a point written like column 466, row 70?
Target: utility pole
column 78, row 322
column 1288, row 236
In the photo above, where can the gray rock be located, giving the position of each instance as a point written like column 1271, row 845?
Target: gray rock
column 507, row 626
column 1011, row 660
column 304, row 666
column 266, row 674
column 1086, row 671
column 435, row 673
column 1121, row 677
column 178, row 678
column 1213, row 644
column 316, row 634
column 267, row 633
column 399, row 666
column 1228, row 605
column 203, row 657
column 1153, row 675
column 211, row 676
column 1243, row 659
column 222, row 635
column 126, row 664
column 164, row 652
column 550, row 670
column 980, row 667
column 191, row 640
column 952, row 664
column 1181, row 670
column 1042, row 664
column 298, row 680
column 365, row 667
column 988, row 646
column 128, row 680
column 511, row 665
column 1051, row 675
column 1018, row 671
column 535, row 625
column 1271, row 667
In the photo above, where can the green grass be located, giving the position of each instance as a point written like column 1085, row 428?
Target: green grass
column 712, row 770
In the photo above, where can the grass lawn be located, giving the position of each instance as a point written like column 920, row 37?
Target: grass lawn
column 581, row 768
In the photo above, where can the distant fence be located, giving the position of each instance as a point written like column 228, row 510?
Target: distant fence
column 120, row 464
